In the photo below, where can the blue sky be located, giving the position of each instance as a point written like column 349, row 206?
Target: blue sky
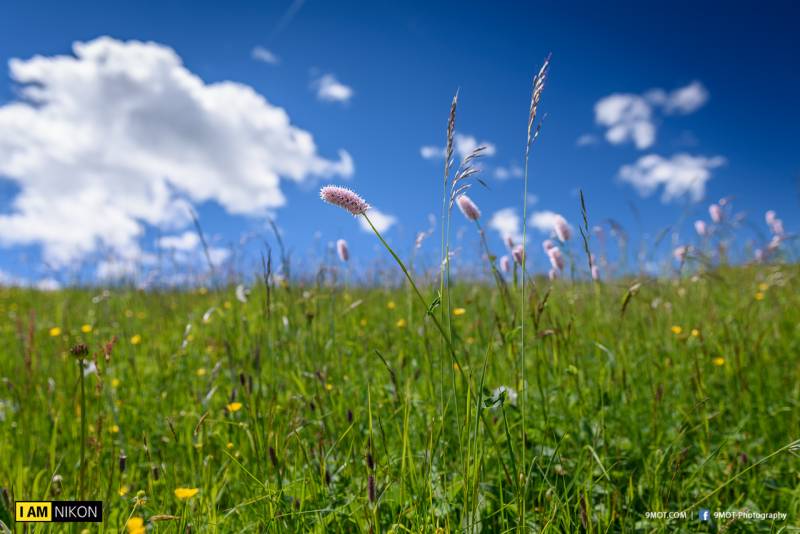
column 391, row 70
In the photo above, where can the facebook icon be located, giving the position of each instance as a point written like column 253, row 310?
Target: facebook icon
column 704, row 514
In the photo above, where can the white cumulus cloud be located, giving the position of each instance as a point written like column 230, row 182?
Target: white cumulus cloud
column 683, row 100
column 329, row 89
column 681, row 175
column 260, row 53
column 627, row 117
column 506, row 222
column 382, row 221
column 121, row 134
column 630, row 117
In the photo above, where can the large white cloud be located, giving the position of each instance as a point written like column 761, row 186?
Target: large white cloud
column 681, row 175
column 120, row 133
column 630, row 117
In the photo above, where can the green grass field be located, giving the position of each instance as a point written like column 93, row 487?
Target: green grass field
column 322, row 409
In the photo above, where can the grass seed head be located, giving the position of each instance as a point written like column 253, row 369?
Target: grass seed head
column 342, row 250
column 519, row 254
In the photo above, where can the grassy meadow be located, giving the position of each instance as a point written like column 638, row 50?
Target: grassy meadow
column 323, row 408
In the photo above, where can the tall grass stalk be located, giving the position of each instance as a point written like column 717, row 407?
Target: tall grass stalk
column 536, row 95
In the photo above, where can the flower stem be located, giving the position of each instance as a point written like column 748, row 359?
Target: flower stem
column 441, row 331
column 82, row 472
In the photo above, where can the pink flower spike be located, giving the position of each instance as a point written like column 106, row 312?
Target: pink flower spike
column 468, row 208
column 701, row 228
column 680, row 253
column 547, row 244
column 595, row 272
column 556, row 258
column 553, row 274
column 344, row 198
column 342, row 250
column 561, row 228
column 777, row 227
column 519, row 254
column 769, row 217
column 505, row 264
column 715, row 212
column 509, row 243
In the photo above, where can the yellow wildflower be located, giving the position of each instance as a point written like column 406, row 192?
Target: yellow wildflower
column 676, row 330
column 86, row 329
column 115, row 382
column 226, row 305
column 329, row 387
column 459, row 311
column 759, row 296
column 185, row 493
column 229, row 445
column 718, row 361
column 201, row 372
column 763, row 287
column 234, row 406
column 128, row 313
column 391, row 305
column 123, row 490
column 136, row 339
column 135, row 525
column 363, row 322
column 55, row 331
column 401, row 323
column 695, row 332
column 114, row 429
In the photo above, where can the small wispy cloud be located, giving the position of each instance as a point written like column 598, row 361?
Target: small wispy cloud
column 463, row 145
column 186, row 241
column 586, row 140
column 382, row 221
column 259, row 53
column 329, row 89
column 544, row 221
column 506, row 222
column 506, row 173
column 431, row 152
column 630, row 117
column 681, row 175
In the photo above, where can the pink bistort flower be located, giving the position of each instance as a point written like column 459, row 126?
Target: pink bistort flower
column 344, row 198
